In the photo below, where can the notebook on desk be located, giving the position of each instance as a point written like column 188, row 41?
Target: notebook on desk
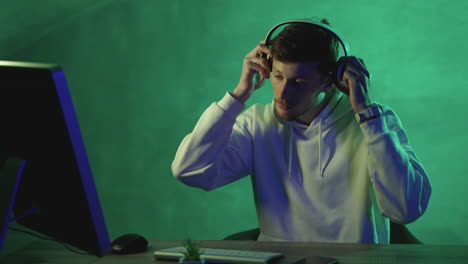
column 212, row 255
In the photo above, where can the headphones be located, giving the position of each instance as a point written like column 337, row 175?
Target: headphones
column 337, row 72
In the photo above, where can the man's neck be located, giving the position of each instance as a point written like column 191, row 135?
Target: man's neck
column 322, row 100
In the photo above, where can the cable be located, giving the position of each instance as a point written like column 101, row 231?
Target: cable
column 52, row 239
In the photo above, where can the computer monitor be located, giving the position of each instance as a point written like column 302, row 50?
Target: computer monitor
column 56, row 194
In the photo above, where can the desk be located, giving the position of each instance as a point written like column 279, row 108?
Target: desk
column 39, row 251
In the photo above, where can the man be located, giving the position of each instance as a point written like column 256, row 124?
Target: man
column 317, row 173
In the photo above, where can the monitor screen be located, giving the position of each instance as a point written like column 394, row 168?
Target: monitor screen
column 39, row 126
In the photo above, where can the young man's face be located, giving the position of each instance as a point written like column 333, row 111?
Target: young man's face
column 295, row 87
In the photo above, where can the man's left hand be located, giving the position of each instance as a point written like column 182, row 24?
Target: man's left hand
column 356, row 78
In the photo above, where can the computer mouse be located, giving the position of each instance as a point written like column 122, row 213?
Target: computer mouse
column 129, row 244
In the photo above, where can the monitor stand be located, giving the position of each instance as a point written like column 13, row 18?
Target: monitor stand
column 10, row 176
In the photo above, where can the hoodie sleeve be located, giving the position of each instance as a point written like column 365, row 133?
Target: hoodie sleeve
column 400, row 182
column 218, row 151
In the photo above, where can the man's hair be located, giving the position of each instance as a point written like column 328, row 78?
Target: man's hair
column 305, row 43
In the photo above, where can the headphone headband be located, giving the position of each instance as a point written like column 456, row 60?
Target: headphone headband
column 343, row 43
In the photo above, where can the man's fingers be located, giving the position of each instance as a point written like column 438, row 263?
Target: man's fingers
column 361, row 66
column 362, row 61
column 354, row 77
column 357, row 67
column 264, row 49
column 260, row 48
column 358, row 64
column 351, row 69
column 260, row 69
column 264, row 63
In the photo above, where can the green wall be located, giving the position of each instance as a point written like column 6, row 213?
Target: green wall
column 142, row 71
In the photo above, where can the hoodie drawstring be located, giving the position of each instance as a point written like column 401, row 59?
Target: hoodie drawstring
column 320, row 168
column 320, row 150
column 290, row 152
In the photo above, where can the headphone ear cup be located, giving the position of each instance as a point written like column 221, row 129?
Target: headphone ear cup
column 270, row 62
column 337, row 75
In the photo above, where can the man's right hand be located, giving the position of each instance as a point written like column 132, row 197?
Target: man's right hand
column 252, row 64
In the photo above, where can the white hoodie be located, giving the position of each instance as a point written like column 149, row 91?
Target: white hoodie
column 332, row 181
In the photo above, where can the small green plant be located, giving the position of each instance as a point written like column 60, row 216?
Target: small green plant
column 192, row 251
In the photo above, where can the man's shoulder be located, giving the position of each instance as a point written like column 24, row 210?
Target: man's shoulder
column 257, row 114
column 260, row 108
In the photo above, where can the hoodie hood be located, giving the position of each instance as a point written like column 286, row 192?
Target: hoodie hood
column 336, row 108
